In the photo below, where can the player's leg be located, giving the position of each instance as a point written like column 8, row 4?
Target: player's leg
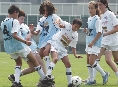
column 116, row 61
column 115, row 55
column 16, row 76
column 67, row 64
column 108, row 57
column 51, row 66
column 46, row 55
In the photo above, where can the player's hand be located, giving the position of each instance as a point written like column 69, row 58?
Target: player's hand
column 91, row 44
column 28, row 43
column 61, row 26
column 78, row 56
column 85, row 30
column 105, row 34
column 31, row 27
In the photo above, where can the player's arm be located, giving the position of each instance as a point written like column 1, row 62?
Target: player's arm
column 114, row 23
column 73, row 46
column 15, row 31
column 98, row 26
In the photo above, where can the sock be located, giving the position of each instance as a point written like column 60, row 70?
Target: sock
column 90, row 71
column 17, row 73
column 47, row 61
column 50, row 68
column 69, row 75
column 99, row 69
column 94, row 70
column 40, row 72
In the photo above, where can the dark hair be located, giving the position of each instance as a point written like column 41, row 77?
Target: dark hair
column 12, row 9
column 96, row 7
column 50, row 8
column 105, row 2
column 77, row 21
column 21, row 13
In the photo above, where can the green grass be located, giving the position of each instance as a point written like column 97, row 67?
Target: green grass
column 78, row 69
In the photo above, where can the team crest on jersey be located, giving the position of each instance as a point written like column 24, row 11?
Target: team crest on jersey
column 106, row 17
column 46, row 23
column 105, row 29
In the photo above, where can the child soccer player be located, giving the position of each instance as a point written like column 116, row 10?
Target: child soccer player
column 26, row 34
column 110, row 32
column 93, row 43
column 47, row 28
column 68, row 36
column 16, row 46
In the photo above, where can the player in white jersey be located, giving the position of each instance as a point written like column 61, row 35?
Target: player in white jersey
column 26, row 34
column 110, row 32
column 93, row 43
column 68, row 36
column 16, row 46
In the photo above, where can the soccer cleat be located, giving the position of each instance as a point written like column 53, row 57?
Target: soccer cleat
column 11, row 78
column 15, row 84
column 91, row 83
column 71, row 85
column 105, row 78
column 46, row 82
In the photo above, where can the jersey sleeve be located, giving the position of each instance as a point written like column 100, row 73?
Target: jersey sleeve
column 16, row 26
column 98, row 25
column 73, row 44
column 39, row 27
column 114, row 20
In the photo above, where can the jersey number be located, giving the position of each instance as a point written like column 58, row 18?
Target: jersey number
column 5, row 31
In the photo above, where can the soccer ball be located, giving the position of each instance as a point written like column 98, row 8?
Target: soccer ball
column 76, row 81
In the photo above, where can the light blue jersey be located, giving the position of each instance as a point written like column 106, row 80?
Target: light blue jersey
column 91, row 32
column 49, row 29
column 11, row 45
column 24, row 31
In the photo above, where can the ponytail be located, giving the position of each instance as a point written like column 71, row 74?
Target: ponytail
column 109, row 8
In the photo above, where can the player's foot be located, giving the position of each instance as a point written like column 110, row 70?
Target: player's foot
column 48, row 81
column 91, row 83
column 70, row 85
column 11, row 78
column 15, row 84
column 86, row 80
column 105, row 78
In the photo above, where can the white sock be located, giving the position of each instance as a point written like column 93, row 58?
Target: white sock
column 94, row 70
column 69, row 75
column 50, row 68
column 40, row 71
column 47, row 61
column 99, row 69
column 91, row 73
column 17, row 73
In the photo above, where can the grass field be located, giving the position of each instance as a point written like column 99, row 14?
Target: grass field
column 78, row 69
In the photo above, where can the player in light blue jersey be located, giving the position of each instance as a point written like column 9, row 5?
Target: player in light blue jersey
column 93, row 43
column 47, row 28
column 17, row 46
column 26, row 34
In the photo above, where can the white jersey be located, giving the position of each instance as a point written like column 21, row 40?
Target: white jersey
column 69, row 33
column 109, row 20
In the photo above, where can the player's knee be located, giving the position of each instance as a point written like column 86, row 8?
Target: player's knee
column 45, row 53
column 55, row 60
column 67, row 65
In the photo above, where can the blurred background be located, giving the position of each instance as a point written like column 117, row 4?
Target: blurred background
column 66, row 9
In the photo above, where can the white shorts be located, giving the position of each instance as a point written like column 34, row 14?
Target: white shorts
column 94, row 50
column 57, row 47
column 111, row 48
column 45, row 44
column 22, row 53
